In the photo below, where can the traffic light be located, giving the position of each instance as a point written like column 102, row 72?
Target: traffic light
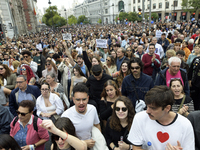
column 139, row 13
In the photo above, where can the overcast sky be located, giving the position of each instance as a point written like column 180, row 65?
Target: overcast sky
column 44, row 3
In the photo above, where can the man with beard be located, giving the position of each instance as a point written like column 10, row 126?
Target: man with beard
column 136, row 82
column 83, row 115
column 83, row 67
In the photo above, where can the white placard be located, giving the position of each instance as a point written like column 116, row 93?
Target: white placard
column 101, row 43
column 67, row 36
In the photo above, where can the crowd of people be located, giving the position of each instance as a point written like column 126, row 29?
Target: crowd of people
column 139, row 91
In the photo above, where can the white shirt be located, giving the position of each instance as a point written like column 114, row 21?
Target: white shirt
column 144, row 130
column 83, row 122
column 79, row 50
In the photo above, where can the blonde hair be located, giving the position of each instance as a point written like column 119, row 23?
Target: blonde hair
column 15, row 64
column 171, row 51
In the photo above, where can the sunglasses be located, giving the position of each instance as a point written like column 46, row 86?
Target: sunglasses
column 47, row 64
column 23, row 69
column 124, row 109
column 56, row 138
column 107, row 59
column 1, row 68
column 25, row 56
column 135, row 68
column 22, row 114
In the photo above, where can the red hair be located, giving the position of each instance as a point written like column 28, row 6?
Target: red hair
column 29, row 72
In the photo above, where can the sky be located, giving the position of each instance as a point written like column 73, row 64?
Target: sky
column 44, row 3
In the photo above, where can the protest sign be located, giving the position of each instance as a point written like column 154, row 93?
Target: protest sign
column 102, row 43
column 67, row 36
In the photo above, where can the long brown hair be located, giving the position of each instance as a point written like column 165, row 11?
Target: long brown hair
column 8, row 71
column 114, row 120
column 121, row 74
column 53, row 64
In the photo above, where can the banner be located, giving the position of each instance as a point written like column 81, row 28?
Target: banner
column 101, row 43
column 67, row 36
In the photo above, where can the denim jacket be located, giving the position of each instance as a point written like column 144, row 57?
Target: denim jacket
column 142, row 86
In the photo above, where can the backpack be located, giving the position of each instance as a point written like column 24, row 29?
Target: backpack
column 35, row 119
column 196, row 72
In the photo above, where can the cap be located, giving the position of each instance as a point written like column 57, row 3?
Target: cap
column 51, row 52
column 96, row 70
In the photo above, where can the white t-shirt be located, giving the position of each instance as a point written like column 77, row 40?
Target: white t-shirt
column 83, row 123
column 79, row 50
column 144, row 130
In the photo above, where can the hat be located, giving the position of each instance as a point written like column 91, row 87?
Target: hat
column 51, row 52
column 96, row 70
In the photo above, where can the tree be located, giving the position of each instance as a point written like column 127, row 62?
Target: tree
column 123, row 16
column 191, row 6
column 72, row 20
column 154, row 15
column 132, row 16
column 58, row 21
column 99, row 21
column 82, row 19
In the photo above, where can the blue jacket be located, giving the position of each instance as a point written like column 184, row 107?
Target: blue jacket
column 161, row 79
column 13, row 99
column 165, row 45
column 142, row 86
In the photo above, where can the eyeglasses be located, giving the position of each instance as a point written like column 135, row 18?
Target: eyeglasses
column 19, row 82
column 45, row 90
column 1, row 68
column 25, row 56
column 128, row 50
column 24, row 69
column 56, row 138
column 135, row 68
column 22, row 114
column 47, row 64
column 124, row 109
column 107, row 59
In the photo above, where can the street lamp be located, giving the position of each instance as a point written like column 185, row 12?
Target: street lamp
column 66, row 18
column 51, row 12
column 113, row 12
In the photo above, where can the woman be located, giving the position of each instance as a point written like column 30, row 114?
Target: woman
column 108, row 96
column 193, row 55
column 183, row 103
column 50, row 68
column 64, row 136
column 3, row 92
column 129, row 53
column 48, row 104
column 122, row 73
column 119, row 124
column 7, row 142
column 114, row 54
column 26, row 71
column 78, row 77
column 110, row 65
column 8, row 79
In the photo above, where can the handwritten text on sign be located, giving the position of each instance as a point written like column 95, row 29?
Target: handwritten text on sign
column 101, row 43
column 67, row 36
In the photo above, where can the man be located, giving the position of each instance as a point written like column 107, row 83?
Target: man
column 140, row 51
column 124, row 41
column 120, row 57
column 57, row 59
column 83, row 67
column 175, row 36
column 26, row 60
column 95, row 83
column 181, row 54
column 83, row 115
column 40, row 60
column 195, row 35
column 159, row 128
column 158, row 48
column 163, row 41
column 22, row 92
column 151, row 62
column 137, row 81
column 5, row 119
column 173, row 71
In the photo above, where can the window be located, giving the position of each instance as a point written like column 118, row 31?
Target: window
column 154, row 6
column 175, row 3
column 133, row 9
column 133, row 1
column 106, row 11
column 138, row 1
column 105, row 3
column 160, row 5
column 121, row 5
column 148, row 6
column 166, row 4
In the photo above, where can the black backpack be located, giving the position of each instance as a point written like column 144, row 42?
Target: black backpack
column 35, row 119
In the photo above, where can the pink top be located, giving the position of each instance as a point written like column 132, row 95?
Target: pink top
column 169, row 77
column 32, row 136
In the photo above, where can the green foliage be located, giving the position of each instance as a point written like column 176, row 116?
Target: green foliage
column 99, row 21
column 195, row 4
column 72, row 20
column 154, row 15
column 58, row 21
column 82, row 19
column 132, row 16
column 123, row 15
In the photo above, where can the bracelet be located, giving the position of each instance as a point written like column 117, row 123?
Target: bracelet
column 66, row 137
column 114, row 147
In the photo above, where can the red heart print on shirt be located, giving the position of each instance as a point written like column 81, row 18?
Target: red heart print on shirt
column 162, row 137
